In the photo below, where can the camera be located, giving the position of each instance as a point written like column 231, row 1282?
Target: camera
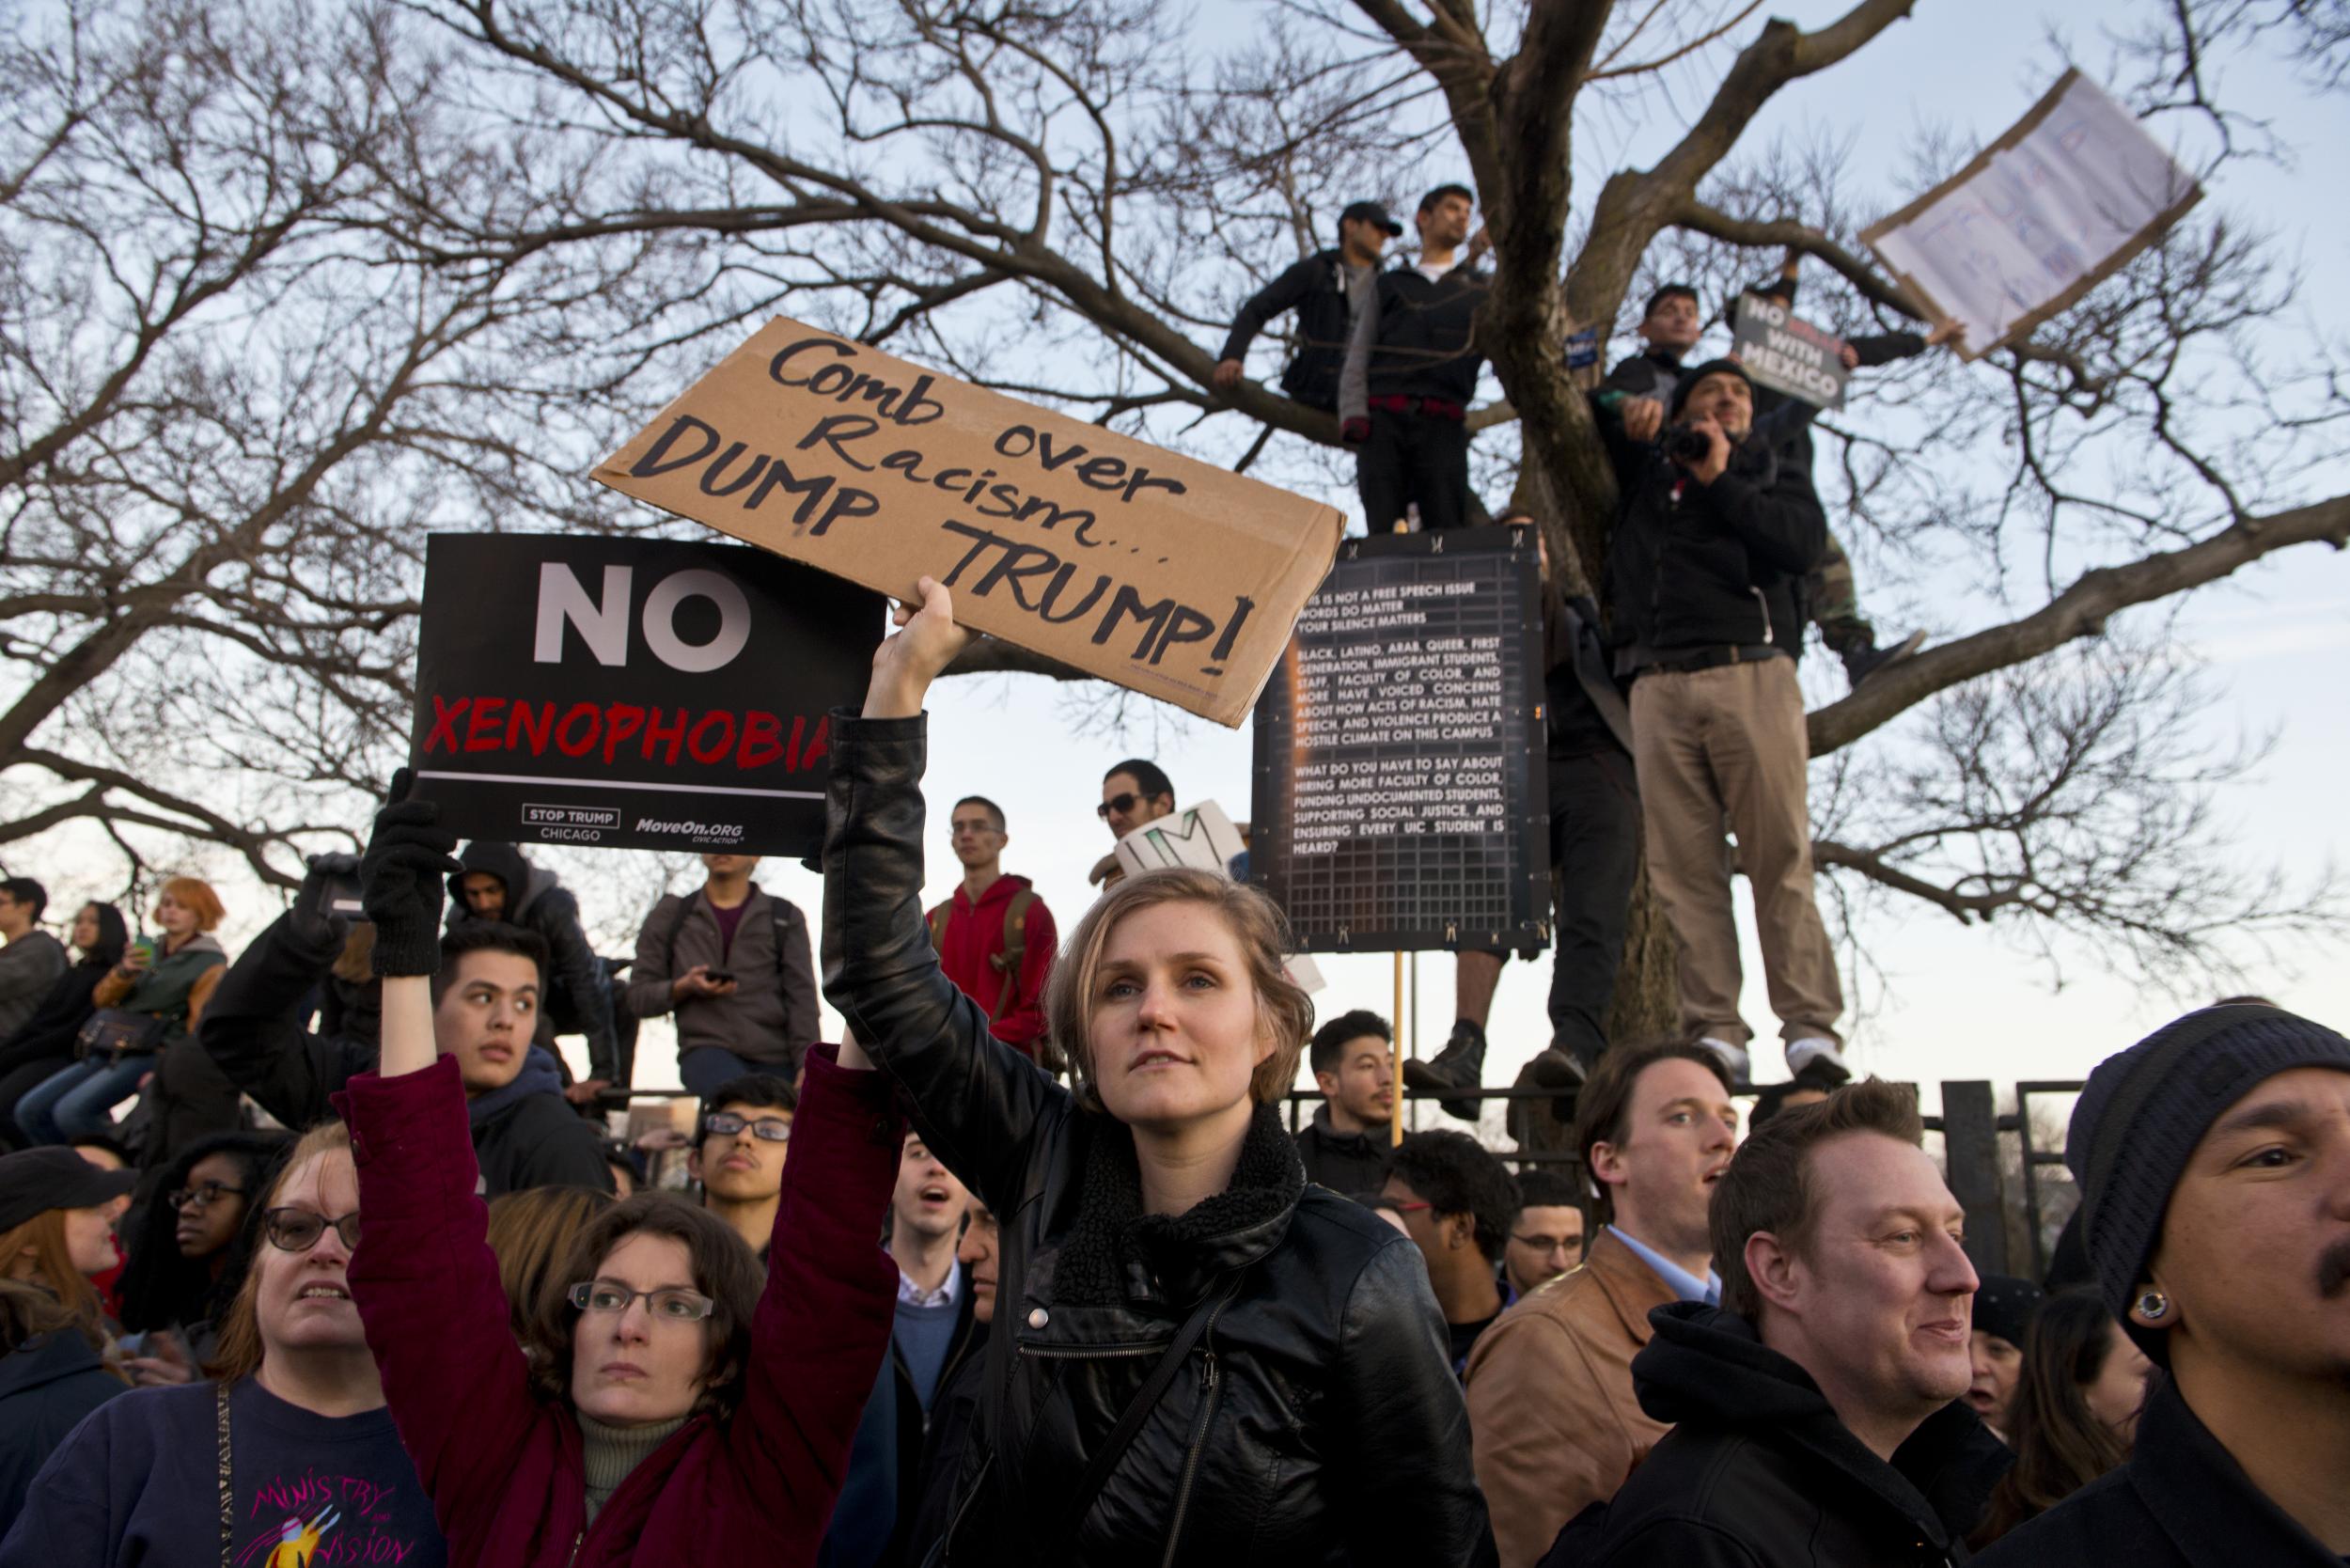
column 1688, row 445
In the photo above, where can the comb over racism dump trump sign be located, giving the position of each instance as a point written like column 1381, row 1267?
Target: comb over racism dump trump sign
column 1162, row 573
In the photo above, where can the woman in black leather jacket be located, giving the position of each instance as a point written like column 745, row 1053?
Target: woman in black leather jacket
column 1315, row 1419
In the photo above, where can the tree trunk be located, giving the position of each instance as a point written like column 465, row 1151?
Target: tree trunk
column 1648, row 985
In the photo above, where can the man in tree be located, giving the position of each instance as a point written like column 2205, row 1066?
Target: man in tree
column 1326, row 290
column 1345, row 1146
column 1712, row 534
column 1669, row 327
column 734, row 963
column 994, row 936
column 498, row 885
column 1411, row 369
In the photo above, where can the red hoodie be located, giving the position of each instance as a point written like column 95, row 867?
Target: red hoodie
column 503, row 1468
column 975, row 937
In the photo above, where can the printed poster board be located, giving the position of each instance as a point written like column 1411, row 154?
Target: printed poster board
column 633, row 692
column 1402, row 796
column 2067, row 197
column 1162, row 573
column 1788, row 354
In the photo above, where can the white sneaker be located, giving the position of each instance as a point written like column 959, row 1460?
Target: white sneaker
column 1815, row 1048
column 1734, row 1057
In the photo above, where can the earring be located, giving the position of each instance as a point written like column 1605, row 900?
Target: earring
column 2151, row 1305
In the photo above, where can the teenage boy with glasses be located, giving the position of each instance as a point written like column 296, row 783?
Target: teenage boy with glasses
column 739, row 1149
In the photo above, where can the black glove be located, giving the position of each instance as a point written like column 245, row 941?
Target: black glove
column 401, row 879
column 313, row 921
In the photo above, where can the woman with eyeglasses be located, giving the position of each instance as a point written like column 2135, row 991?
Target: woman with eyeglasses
column 1198, row 1357
column 188, row 1256
column 672, row 1405
column 289, row 1458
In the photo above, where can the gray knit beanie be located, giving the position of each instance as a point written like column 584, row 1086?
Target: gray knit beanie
column 2144, row 1111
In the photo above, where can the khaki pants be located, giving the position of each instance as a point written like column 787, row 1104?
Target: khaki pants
column 1732, row 741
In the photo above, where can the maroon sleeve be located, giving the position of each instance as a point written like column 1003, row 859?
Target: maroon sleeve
column 824, row 1319
column 427, row 1288
column 1022, row 1023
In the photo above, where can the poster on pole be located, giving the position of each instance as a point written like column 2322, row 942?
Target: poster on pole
column 633, row 692
column 2067, row 197
column 1167, row 575
column 1401, row 797
column 1788, row 354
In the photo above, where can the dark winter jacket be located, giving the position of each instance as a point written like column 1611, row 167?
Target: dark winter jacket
column 28, row 968
column 578, row 998
column 771, row 1017
column 253, row 1032
column 1346, row 1163
column 1650, row 373
column 1758, row 1472
column 47, row 1385
column 504, row 1468
column 1415, row 339
column 954, row 1417
column 526, row 1135
column 48, row 1034
column 1321, row 1423
column 1694, row 566
column 2180, row 1502
column 1588, row 713
column 1321, row 289
column 915, row 1427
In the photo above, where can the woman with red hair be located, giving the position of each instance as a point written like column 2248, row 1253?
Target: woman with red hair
column 147, row 1007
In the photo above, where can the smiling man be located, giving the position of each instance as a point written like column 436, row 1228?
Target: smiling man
column 1817, row 1413
column 485, row 1007
column 2214, row 1163
column 1550, row 1395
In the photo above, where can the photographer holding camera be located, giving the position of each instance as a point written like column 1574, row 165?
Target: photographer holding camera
column 1713, row 532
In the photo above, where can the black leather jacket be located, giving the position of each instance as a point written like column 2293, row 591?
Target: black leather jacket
column 1321, row 1423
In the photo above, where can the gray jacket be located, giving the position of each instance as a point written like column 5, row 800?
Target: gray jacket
column 771, row 1016
column 28, row 968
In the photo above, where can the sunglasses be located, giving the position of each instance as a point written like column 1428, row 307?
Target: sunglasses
column 767, row 1129
column 203, row 1195
column 1120, row 803
column 299, row 1229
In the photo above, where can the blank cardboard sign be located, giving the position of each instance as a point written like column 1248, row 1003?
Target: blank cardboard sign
column 1164, row 574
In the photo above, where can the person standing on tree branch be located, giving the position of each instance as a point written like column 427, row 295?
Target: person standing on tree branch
column 1326, row 290
column 1202, row 1358
column 1411, row 369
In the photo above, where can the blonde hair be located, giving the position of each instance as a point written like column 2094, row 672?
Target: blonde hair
column 194, row 892
column 531, row 1231
column 53, row 1265
column 1256, row 924
column 238, row 1351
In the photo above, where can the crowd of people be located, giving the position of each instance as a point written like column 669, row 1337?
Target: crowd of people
column 323, row 1255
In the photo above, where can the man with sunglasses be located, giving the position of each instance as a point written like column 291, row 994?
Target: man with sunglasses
column 739, row 1151
column 1133, row 793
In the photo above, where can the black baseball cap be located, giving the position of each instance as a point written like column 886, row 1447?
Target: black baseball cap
column 1374, row 214
column 35, row 1180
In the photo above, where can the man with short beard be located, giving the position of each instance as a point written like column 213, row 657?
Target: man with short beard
column 2214, row 1165
column 1817, row 1417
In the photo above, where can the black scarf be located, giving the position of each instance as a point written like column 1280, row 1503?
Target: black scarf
column 1114, row 1243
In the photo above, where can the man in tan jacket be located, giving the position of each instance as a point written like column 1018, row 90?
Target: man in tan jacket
column 1556, row 1425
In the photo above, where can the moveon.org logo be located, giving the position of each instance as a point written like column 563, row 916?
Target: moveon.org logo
column 696, row 830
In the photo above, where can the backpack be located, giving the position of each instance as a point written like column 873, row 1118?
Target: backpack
column 684, row 911
column 1007, row 962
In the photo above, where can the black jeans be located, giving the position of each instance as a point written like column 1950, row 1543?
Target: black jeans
column 1410, row 457
column 1594, row 854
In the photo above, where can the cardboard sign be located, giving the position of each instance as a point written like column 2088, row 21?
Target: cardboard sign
column 1402, row 789
column 1788, row 355
column 1161, row 573
column 2070, row 194
column 1200, row 835
column 632, row 693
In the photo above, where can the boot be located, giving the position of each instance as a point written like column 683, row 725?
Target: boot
column 1864, row 659
column 1460, row 1065
column 1565, row 1071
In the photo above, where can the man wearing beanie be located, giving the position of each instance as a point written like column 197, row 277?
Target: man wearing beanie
column 2214, row 1165
column 1713, row 535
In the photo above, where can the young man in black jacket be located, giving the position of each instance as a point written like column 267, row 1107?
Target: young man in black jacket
column 1325, row 290
column 1345, row 1147
column 1713, row 532
column 498, row 885
column 1818, row 1416
column 2214, row 1165
column 1411, row 369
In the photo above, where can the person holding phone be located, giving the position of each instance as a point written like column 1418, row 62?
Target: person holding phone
column 732, row 962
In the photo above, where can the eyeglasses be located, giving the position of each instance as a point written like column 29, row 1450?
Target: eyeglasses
column 203, row 1195
column 299, row 1229
column 602, row 1295
column 1120, row 803
column 1549, row 1243
column 767, row 1129
column 1403, row 1208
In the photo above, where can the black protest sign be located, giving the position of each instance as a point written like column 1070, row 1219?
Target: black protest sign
column 633, row 693
column 1401, row 798
column 1789, row 355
